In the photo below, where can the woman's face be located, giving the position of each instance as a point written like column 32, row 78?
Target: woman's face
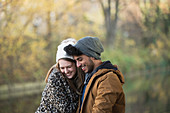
column 67, row 68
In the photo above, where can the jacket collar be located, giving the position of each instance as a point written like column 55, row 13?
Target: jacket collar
column 104, row 65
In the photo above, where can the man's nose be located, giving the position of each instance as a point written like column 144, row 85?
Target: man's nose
column 78, row 64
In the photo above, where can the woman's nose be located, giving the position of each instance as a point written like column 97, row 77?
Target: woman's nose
column 66, row 70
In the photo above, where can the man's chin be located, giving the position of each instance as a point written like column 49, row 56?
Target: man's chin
column 85, row 71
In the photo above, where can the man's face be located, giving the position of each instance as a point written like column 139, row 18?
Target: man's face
column 85, row 63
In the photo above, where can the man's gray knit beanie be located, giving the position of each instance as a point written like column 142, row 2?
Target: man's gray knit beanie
column 90, row 46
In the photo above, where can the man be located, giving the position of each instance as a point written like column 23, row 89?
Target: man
column 102, row 92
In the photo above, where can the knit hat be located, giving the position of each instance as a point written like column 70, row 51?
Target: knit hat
column 61, row 53
column 90, row 46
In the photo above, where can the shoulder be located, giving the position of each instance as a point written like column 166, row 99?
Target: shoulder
column 106, row 75
column 55, row 74
column 109, row 80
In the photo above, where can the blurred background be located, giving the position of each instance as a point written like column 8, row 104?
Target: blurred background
column 134, row 33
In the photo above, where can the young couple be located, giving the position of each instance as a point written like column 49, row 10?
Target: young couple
column 80, row 82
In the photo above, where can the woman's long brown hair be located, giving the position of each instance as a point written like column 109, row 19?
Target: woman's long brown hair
column 49, row 71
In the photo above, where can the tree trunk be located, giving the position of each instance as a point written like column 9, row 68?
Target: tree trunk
column 110, row 21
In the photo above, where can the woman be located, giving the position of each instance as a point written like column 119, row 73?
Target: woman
column 64, row 84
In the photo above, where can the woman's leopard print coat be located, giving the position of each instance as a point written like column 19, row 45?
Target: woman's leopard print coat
column 58, row 96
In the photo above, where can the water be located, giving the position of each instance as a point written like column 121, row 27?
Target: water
column 25, row 104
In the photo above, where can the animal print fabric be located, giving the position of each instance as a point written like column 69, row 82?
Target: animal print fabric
column 58, row 97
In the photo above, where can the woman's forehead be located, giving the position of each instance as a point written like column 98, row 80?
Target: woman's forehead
column 64, row 63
